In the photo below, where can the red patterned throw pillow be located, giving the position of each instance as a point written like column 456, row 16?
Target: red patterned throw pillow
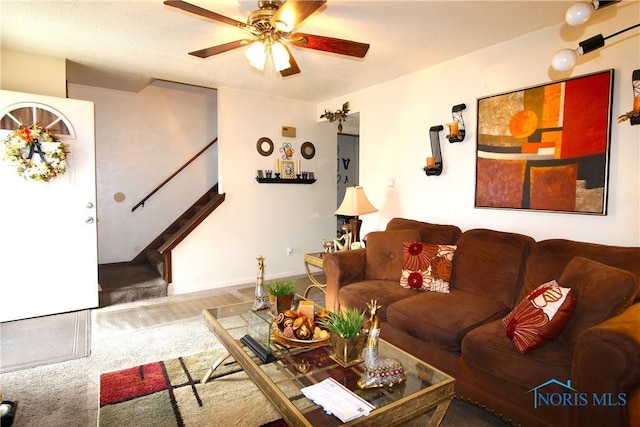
column 540, row 317
column 426, row 267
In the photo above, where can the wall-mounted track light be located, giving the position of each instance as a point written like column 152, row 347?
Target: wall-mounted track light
column 576, row 15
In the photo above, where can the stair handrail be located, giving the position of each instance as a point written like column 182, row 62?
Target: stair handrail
column 141, row 202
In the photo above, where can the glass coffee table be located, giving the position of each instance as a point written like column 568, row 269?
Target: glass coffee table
column 286, row 370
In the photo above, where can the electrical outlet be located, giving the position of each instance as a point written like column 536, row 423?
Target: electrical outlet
column 289, row 251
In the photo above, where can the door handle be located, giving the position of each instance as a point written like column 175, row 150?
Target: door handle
column 89, row 220
column 89, row 205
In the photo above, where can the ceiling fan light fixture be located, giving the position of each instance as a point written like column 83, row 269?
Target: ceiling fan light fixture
column 280, row 56
column 282, row 26
column 257, row 55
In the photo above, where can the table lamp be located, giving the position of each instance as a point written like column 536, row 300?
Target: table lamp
column 355, row 203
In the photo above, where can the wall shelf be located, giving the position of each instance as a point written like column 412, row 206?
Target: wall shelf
column 284, row 181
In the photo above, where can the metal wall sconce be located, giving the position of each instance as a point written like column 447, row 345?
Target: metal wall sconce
column 434, row 163
column 339, row 115
column 634, row 115
column 456, row 128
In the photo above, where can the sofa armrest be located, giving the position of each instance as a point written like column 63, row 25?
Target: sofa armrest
column 340, row 269
column 606, row 359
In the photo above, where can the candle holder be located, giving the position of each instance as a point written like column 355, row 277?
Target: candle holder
column 277, row 174
column 456, row 128
column 434, row 168
column 298, row 176
column 634, row 115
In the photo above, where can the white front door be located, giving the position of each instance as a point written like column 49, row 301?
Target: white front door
column 48, row 237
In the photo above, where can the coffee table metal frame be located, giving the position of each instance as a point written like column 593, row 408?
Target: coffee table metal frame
column 438, row 395
column 315, row 259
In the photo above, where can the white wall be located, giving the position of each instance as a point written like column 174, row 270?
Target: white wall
column 141, row 139
column 30, row 73
column 260, row 219
column 395, row 118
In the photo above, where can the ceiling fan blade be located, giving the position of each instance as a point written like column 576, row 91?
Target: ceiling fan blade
column 293, row 69
column 188, row 7
column 293, row 12
column 329, row 44
column 210, row 51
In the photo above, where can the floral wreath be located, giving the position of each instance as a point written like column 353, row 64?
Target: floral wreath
column 37, row 153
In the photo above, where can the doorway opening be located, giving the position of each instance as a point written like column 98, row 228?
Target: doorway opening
column 347, row 171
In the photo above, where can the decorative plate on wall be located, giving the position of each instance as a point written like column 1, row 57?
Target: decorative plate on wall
column 264, row 146
column 308, row 150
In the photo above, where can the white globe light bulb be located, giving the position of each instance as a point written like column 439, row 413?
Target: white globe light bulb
column 578, row 14
column 564, row 60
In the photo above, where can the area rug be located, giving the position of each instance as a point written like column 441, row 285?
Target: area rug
column 44, row 340
column 168, row 393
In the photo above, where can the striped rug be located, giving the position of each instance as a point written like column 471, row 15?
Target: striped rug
column 44, row 340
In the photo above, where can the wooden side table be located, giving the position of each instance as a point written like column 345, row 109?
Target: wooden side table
column 315, row 259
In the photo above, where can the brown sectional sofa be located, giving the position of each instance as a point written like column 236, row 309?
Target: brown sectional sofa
column 588, row 376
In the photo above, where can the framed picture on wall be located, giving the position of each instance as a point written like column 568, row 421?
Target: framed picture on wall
column 287, row 168
column 546, row 148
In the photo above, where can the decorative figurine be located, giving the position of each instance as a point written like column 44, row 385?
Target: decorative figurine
column 328, row 246
column 262, row 299
column 345, row 238
column 378, row 371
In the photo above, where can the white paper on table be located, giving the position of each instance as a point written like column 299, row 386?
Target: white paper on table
column 336, row 399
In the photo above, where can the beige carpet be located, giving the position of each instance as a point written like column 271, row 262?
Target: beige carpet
column 44, row 340
column 66, row 394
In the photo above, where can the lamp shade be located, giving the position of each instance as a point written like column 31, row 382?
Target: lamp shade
column 257, row 55
column 280, row 56
column 355, row 203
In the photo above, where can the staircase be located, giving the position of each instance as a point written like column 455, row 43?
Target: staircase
column 148, row 275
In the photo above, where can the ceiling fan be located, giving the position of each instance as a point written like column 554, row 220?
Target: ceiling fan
column 272, row 27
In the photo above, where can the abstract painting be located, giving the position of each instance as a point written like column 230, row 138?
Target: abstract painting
column 546, row 148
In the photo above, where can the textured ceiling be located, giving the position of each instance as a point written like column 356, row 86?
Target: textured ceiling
column 126, row 44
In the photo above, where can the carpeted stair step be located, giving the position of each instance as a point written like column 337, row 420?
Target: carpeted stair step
column 122, row 283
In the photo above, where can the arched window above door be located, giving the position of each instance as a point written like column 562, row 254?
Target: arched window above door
column 28, row 113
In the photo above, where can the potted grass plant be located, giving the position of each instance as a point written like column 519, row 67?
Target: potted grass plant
column 347, row 335
column 281, row 294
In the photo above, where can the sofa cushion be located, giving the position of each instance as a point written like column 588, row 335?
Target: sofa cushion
column 358, row 294
column 490, row 264
column 549, row 258
column 442, row 319
column 601, row 292
column 426, row 267
column 540, row 317
column 488, row 349
column 384, row 253
column 429, row 233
